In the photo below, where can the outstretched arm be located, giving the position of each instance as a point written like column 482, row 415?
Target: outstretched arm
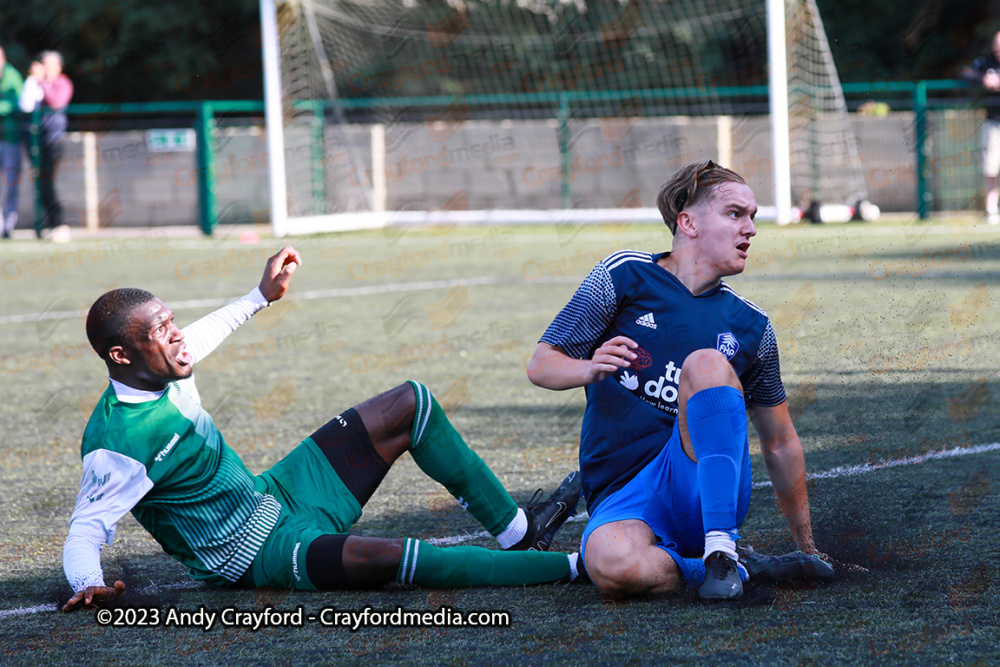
column 206, row 334
column 786, row 467
column 111, row 486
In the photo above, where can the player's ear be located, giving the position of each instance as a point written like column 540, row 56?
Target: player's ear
column 119, row 355
column 686, row 224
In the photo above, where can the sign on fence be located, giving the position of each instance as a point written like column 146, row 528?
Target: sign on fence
column 163, row 141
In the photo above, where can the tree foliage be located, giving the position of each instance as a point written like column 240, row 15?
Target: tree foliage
column 888, row 40
column 137, row 50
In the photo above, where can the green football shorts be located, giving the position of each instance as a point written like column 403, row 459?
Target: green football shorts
column 314, row 502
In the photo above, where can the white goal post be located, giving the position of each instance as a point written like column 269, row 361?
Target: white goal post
column 777, row 80
column 587, row 142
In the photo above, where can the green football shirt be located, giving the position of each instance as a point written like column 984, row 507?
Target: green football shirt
column 160, row 456
column 203, row 505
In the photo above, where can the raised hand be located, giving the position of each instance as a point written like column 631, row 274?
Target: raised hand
column 278, row 273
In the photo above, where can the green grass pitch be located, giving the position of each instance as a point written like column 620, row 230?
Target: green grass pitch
column 889, row 338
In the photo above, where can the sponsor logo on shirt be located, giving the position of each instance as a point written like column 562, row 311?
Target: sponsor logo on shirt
column 295, row 561
column 629, row 381
column 97, row 481
column 647, row 321
column 642, row 359
column 166, row 450
column 661, row 392
column 665, row 386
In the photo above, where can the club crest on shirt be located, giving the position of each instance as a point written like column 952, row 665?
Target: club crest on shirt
column 727, row 344
column 642, row 359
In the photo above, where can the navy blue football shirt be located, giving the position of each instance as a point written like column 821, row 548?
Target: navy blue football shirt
column 630, row 414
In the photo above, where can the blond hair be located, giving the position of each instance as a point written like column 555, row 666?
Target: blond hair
column 690, row 185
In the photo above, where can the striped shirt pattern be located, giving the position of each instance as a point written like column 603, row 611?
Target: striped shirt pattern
column 205, row 508
column 579, row 328
column 226, row 523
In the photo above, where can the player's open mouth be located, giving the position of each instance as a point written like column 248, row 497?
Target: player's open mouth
column 743, row 248
column 184, row 358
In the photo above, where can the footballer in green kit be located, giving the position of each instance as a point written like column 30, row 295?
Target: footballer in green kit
column 151, row 449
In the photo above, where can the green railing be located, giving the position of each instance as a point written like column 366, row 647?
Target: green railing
column 918, row 91
column 204, row 127
column 562, row 103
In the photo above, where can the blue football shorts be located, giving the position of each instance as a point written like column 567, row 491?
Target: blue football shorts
column 665, row 496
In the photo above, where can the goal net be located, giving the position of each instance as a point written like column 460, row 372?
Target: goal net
column 508, row 111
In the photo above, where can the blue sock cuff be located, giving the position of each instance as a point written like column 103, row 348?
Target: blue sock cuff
column 715, row 401
column 692, row 569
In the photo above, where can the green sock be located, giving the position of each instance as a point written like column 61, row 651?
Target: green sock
column 461, row 567
column 443, row 455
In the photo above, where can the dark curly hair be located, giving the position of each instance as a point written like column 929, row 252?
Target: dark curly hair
column 109, row 317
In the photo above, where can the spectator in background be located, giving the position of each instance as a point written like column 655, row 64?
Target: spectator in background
column 52, row 90
column 10, row 142
column 986, row 71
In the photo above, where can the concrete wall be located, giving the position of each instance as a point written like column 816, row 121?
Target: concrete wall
column 501, row 164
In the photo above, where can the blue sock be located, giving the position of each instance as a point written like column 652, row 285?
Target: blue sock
column 693, row 569
column 717, row 424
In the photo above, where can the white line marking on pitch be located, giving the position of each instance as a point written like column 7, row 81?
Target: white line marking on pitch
column 310, row 295
column 52, row 606
column 833, row 473
column 848, row 471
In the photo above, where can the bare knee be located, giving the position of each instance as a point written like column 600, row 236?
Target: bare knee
column 371, row 560
column 390, row 413
column 623, row 567
column 388, row 419
column 707, row 368
column 618, row 577
column 398, row 407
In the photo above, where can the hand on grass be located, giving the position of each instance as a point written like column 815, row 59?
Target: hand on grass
column 94, row 595
column 842, row 566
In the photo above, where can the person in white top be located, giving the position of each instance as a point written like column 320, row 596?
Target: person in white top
column 48, row 89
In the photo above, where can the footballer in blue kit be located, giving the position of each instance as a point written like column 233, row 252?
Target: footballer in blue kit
column 672, row 359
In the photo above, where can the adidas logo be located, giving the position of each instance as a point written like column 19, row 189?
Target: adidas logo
column 647, row 321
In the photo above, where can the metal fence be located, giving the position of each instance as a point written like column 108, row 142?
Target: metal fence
column 206, row 162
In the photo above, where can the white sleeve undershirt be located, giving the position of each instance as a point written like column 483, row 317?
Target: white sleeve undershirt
column 31, row 95
column 203, row 336
column 113, row 483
